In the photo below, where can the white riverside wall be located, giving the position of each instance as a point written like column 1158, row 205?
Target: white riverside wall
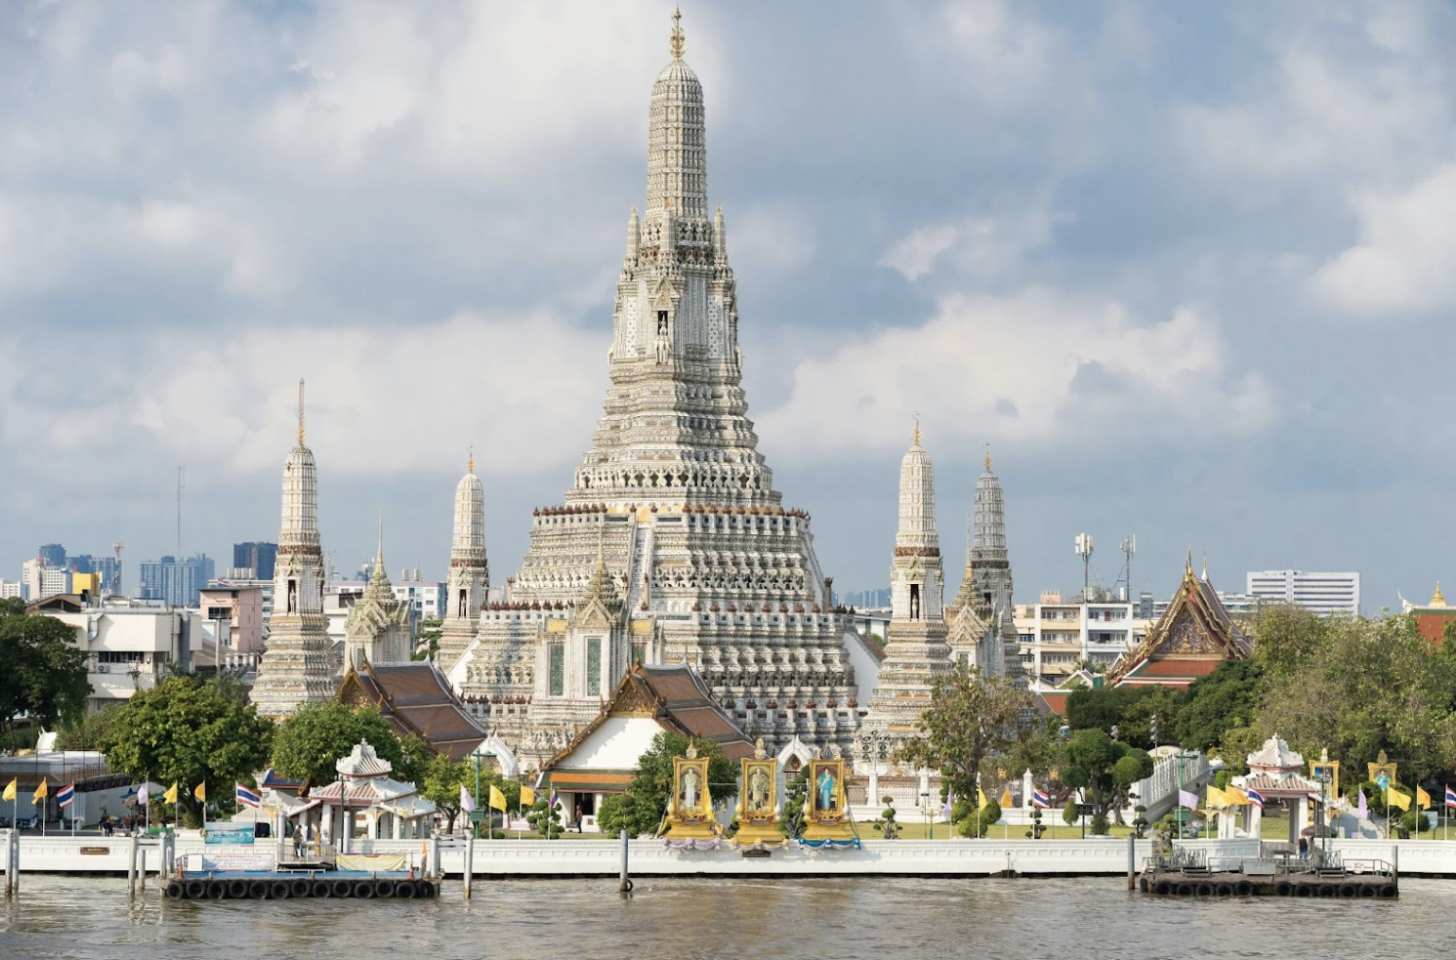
column 602, row 858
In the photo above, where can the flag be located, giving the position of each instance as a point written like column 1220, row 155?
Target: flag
column 143, row 794
column 1450, row 798
column 1363, row 810
column 201, row 792
column 1040, row 800
column 1423, row 799
column 66, row 796
column 528, row 797
column 10, row 789
column 41, row 792
column 1006, row 800
column 1255, row 797
column 1216, row 797
column 497, row 799
column 1186, row 799
column 171, row 795
column 1237, row 797
column 1397, row 799
column 553, row 799
column 246, row 796
column 467, row 802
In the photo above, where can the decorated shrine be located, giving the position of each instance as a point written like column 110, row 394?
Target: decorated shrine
column 758, row 821
column 689, row 821
column 826, row 811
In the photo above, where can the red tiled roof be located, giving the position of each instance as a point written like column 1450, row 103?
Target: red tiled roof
column 416, row 699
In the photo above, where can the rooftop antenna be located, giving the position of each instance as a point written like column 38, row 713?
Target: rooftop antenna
column 1082, row 545
column 1128, row 548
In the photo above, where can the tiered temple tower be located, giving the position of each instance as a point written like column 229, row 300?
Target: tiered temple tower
column 983, row 626
column 677, row 501
column 469, row 579
column 378, row 626
column 295, row 666
column 916, row 652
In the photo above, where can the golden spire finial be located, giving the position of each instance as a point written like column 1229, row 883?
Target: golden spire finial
column 987, row 461
column 678, row 43
column 300, row 411
column 915, row 434
column 1188, row 571
column 1438, row 599
column 470, row 461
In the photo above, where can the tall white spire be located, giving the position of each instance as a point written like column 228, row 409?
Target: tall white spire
column 295, row 666
column 469, row 578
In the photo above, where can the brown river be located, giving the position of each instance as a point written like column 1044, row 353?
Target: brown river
column 78, row 918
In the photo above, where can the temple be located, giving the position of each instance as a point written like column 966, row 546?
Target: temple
column 916, row 652
column 469, row 579
column 296, row 667
column 1193, row 637
column 672, row 544
column 417, row 700
column 981, row 618
column 377, row 629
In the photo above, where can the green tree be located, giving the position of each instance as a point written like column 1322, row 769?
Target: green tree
column 1224, row 700
column 979, row 822
column 1287, row 636
column 1069, row 812
column 441, row 785
column 90, row 732
column 188, row 732
column 546, row 819
column 1104, row 767
column 317, row 735
column 44, row 672
column 886, row 825
column 796, row 794
column 651, row 783
column 415, row 756
column 971, row 720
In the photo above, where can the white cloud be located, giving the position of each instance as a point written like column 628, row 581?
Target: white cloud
column 1403, row 262
column 1033, row 367
column 977, row 246
column 770, row 236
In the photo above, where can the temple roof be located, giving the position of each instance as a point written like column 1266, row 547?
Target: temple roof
column 1193, row 637
column 416, row 699
column 1275, row 754
column 677, row 698
column 362, row 761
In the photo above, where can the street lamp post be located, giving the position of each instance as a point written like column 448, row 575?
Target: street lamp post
column 925, row 805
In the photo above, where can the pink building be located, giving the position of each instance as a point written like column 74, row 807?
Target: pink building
column 242, row 609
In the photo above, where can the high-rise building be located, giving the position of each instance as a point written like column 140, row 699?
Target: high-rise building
column 916, row 652
column 108, row 569
column 672, row 518
column 1322, row 593
column 52, row 555
column 296, row 665
column 175, row 582
column 259, row 556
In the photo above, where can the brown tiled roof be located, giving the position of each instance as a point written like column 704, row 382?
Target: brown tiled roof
column 416, row 699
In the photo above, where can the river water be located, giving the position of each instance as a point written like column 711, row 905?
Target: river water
column 60, row 918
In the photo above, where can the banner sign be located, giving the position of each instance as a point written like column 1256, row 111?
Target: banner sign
column 229, row 834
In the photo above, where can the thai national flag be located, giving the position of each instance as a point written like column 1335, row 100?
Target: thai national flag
column 67, row 795
column 248, row 797
column 1040, row 800
column 1255, row 797
column 1450, row 798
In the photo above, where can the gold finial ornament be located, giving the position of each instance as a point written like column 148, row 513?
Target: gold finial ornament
column 678, row 43
column 1438, row 599
column 470, row 460
column 987, row 461
column 915, row 434
column 300, row 411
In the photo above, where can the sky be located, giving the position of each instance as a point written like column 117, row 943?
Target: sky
column 1186, row 268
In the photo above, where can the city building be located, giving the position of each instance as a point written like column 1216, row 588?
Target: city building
column 130, row 645
column 107, row 569
column 241, row 578
column 257, row 556
column 52, row 555
column 1058, row 638
column 42, row 580
column 1322, row 593
column 234, row 614
column 175, row 582
column 672, row 544
column 297, row 663
column 12, row 588
column 916, row 651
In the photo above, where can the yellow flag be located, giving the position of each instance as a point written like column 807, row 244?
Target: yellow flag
column 981, row 798
column 10, row 789
column 497, row 799
column 528, row 796
column 42, row 791
column 171, row 795
column 1423, row 799
column 1397, row 799
column 201, row 791
column 1006, row 800
column 1237, row 797
column 1216, row 797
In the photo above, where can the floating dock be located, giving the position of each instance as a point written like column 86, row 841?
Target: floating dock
column 259, row 885
column 1189, row 874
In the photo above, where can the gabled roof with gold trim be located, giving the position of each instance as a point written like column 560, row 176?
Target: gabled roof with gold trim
column 415, row 698
column 1194, row 635
column 677, row 698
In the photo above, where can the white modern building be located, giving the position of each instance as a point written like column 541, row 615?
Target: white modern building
column 129, row 644
column 1322, row 593
column 41, row 581
column 11, row 588
column 1056, row 637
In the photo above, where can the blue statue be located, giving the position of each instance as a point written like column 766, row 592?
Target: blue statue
column 825, row 783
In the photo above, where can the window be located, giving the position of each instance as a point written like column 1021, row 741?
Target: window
column 593, row 666
column 556, row 659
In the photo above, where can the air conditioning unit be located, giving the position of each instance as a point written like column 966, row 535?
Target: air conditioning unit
column 101, row 668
